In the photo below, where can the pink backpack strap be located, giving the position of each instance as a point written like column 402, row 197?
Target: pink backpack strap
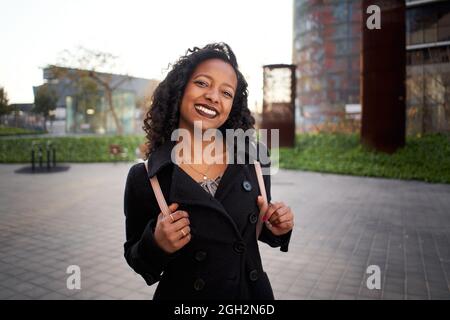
column 262, row 188
column 158, row 193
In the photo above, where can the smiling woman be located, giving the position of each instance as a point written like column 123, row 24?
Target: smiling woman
column 204, row 244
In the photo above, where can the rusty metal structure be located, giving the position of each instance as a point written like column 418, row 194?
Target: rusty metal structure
column 279, row 102
column 383, row 75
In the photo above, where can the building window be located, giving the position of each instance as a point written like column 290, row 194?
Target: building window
column 428, row 24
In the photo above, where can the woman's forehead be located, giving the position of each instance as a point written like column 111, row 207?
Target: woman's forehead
column 217, row 69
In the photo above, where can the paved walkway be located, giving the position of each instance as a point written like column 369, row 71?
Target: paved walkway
column 344, row 225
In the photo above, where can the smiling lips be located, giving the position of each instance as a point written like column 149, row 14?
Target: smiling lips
column 206, row 111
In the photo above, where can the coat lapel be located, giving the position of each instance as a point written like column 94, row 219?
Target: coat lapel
column 232, row 174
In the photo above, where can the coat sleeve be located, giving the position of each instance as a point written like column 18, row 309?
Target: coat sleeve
column 141, row 251
column 266, row 235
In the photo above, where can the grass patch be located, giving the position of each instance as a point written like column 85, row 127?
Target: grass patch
column 11, row 131
column 424, row 158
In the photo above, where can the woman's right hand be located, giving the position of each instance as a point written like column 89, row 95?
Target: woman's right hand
column 173, row 232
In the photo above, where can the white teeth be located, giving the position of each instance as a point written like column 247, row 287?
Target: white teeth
column 206, row 110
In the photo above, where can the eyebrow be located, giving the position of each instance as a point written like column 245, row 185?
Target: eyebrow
column 210, row 78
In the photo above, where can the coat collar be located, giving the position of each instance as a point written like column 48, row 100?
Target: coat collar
column 160, row 158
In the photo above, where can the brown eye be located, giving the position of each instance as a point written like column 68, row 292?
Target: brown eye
column 229, row 95
column 201, row 83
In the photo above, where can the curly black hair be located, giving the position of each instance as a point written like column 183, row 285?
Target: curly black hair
column 163, row 116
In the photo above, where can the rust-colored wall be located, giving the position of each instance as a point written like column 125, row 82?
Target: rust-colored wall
column 383, row 74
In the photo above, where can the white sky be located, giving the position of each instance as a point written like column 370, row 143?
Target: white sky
column 145, row 34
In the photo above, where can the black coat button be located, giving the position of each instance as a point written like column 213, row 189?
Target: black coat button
column 253, row 218
column 247, row 185
column 200, row 256
column 239, row 247
column 199, row 284
column 253, row 275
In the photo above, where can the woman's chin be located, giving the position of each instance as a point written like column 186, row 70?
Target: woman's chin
column 206, row 124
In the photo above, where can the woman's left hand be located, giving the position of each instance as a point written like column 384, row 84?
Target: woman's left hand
column 278, row 217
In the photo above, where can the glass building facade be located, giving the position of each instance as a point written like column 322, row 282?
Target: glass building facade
column 83, row 105
column 428, row 66
column 97, row 117
column 428, row 22
column 326, row 50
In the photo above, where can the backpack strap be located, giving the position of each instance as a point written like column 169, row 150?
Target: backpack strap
column 262, row 188
column 158, row 193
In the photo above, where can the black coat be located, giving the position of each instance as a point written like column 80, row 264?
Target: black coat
column 222, row 260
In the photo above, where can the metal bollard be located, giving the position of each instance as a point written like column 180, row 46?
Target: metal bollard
column 48, row 154
column 54, row 155
column 40, row 156
column 32, row 158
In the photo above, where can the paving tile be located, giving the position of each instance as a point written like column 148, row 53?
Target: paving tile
column 281, row 286
column 299, row 290
column 85, row 294
column 5, row 293
column 348, row 289
column 440, row 294
column 373, row 294
column 137, row 296
column 344, row 296
column 387, row 295
column 417, row 297
column 53, row 296
column 19, row 296
column 120, row 293
column 328, row 286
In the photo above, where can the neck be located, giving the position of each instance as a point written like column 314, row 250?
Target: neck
column 202, row 151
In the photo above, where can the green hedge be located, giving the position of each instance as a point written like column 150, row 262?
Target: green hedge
column 11, row 131
column 69, row 149
column 424, row 158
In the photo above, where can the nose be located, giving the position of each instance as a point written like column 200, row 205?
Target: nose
column 212, row 95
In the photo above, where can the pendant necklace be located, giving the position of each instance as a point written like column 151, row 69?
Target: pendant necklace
column 203, row 174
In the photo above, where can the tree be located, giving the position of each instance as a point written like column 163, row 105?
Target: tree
column 83, row 64
column 5, row 108
column 45, row 101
